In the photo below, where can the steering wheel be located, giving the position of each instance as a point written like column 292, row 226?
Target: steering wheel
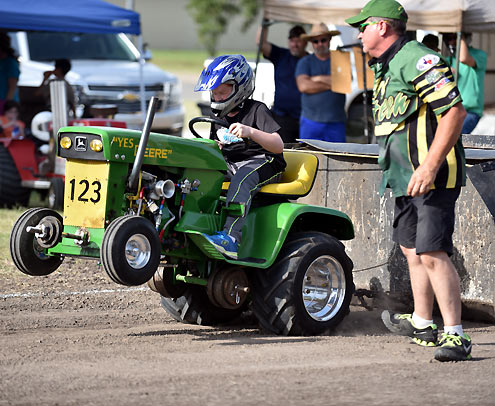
column 210, row 120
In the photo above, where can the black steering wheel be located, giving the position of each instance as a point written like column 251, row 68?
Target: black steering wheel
column 210, row 120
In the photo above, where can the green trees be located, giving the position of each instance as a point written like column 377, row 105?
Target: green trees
column 213, row 17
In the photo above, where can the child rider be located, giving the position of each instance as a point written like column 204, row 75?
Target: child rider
column 257, row 158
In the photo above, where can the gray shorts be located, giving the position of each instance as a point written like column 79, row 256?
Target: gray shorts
column 426, row 222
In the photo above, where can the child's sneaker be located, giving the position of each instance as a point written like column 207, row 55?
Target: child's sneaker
column 454, row 348
column 224, row 243
column 402, row 324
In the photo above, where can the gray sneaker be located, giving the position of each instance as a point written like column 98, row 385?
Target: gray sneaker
column 453, row 347
column 402, row 324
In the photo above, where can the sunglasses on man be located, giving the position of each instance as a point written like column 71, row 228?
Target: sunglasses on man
column 363, row 26
column 320, row 40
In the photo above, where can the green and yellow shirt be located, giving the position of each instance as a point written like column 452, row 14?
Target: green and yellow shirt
column 413, row 87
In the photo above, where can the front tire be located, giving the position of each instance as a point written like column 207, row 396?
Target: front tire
column 27, row 254
column 130, row 250
column 309, row 288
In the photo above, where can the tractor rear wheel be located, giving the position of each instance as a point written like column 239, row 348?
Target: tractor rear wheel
column 130, row 250
column 309, row 288
column 194, row 307
column 28, row 255
column 11, row 191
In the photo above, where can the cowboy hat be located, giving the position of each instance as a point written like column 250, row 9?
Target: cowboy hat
column 317, row 30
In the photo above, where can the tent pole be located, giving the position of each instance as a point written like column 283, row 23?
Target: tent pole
column 142, row 94
column 457, row 52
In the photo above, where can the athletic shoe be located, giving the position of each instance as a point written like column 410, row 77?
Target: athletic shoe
column 223, row 243
column 402, row 324
column 454, row 348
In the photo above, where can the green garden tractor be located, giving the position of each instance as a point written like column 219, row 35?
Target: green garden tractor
column 141, row 203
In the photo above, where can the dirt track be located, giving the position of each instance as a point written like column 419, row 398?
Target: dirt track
column 74, row 337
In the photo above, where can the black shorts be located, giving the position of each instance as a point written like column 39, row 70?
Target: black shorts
column 426, row 222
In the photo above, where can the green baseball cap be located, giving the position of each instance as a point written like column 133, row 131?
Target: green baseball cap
column 379, row 8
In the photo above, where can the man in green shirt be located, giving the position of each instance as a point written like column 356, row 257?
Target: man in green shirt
column 471, row 79
column 418, row 119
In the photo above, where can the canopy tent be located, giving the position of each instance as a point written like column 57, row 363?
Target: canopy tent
column 438, row 15
column 82, row 16
column 88, row 16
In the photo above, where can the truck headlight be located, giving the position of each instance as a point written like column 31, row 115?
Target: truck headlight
column 173, row 93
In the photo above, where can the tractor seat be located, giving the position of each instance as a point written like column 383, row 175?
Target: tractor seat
column 297, row 179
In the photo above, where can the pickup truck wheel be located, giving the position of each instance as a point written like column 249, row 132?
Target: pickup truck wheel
column 28, row 255
column 56, row 194
column 11, row 191
column 194, row 307
column 309, row 288
column 130, row 250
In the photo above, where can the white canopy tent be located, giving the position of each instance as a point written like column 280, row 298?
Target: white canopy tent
column 438, row 15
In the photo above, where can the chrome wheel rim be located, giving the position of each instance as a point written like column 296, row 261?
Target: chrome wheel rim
column 323, row 288
column 137, row 251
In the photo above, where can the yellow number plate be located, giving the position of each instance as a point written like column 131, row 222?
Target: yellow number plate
column 85, row 193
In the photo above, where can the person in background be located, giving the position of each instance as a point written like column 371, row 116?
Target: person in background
column 252, row 147
column 431, row 41
column 11, row 126
column 471, row 78
column 422, row 160
column 323, row 114
column 9, row 71
column 286, row 108
column 62, row 67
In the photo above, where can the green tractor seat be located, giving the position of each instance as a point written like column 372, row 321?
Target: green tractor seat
column 297, row 179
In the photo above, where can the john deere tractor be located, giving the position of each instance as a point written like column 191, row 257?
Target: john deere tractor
column 141, row 203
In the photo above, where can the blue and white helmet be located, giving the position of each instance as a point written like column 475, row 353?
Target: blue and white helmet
column 231, row 69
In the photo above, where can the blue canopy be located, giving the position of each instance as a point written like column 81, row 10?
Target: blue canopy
column 90, row 16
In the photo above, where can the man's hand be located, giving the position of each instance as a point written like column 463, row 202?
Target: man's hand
column 421, row 181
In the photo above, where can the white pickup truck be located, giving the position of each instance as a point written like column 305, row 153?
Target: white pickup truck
column 105, row 70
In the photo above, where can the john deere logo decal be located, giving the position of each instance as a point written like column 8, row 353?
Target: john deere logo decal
column 81, row 144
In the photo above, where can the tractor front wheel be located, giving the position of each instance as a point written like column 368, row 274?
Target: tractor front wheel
column 27, row 253
column 308, row 290
column 130, row 250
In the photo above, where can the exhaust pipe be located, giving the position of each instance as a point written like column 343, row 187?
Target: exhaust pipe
column 143, row 142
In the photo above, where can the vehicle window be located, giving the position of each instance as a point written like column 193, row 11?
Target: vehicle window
column 13, row 42
column 48, row 46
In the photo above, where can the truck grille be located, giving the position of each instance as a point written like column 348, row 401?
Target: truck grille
column 123, row 106
column 149, row 88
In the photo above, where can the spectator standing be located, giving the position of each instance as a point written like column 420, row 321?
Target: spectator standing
column 9, row 71
column 471, row 78
column 11, row 126
column 62, row 67
column 323, row 111
column 286, row 108
column 422, row 159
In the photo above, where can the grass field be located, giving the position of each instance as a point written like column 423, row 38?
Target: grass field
column 182, row 62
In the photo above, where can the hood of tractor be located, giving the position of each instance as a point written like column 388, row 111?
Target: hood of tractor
column 121, row 145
